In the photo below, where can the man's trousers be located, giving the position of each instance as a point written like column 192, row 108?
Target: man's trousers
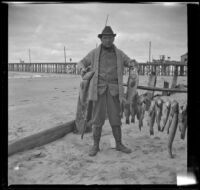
column 106, row 103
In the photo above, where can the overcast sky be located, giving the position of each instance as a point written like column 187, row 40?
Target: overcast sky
column 47, row 28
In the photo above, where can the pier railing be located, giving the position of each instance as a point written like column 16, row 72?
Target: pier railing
column 160, row 68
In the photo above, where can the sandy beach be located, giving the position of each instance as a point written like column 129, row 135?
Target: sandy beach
column 38, row 101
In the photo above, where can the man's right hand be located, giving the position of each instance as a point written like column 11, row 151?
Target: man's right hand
column 84, row 71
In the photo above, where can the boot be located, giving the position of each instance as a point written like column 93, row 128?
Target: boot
column 96, row 136
column 118, row 135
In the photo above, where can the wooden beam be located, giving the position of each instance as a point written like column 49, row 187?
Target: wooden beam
column 161, row 89
column 40, row 138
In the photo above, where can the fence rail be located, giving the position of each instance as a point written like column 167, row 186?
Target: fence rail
column 161, row 68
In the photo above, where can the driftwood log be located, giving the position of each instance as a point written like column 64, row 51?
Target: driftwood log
column 41, row 138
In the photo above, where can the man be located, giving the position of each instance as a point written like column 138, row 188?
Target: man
column 106, row 87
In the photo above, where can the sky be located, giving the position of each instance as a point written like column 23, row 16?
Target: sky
column 46, row 28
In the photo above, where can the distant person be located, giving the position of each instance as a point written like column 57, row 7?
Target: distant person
column 106, row 87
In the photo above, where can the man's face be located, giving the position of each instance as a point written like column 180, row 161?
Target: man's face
column 107, row 40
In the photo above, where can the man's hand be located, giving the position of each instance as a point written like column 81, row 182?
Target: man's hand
column 84, row 71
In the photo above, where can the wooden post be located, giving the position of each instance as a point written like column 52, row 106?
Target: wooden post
column 166, row 85
column 174, row 79
column 181, row 70
column 149, row 52
column 151, row 83
column 29, row 56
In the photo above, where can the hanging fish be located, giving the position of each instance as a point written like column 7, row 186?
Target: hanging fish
column 171, row 113
column 134, row 107
column 84, row 107
column 151, row 117
column 126, row 109
column 180, row 118
column 165, row 115
column 84, row 85
column 131, row 94
column 158, row 111
column 173, row 127
column 183, row 121
column 122, row 106
column 132, row 84
column 140, row 111
column 147, row 100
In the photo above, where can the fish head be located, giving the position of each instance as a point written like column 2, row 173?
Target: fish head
column 147, row 103
column 159, row 102
column 168, row 103
column 175, row 106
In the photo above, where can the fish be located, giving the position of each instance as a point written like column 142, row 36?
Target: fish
column 122, row 106
column 134, row 107
column 131, row 94
column 132, row 83
column 173, row 127
column 126, row 109
column 151, row 117
column 182, row 119
column 158, row 111
column 165, row 114
column 140, row 111
column 147, row 100
column 84, row 86
column 170, row 117
column 84, row 106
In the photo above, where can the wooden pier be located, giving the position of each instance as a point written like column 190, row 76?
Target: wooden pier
column 44, row 67
column 166, row 68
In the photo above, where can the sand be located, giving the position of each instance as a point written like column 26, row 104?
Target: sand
column 40, row 101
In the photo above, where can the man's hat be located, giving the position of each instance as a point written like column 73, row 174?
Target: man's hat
column 107, row 31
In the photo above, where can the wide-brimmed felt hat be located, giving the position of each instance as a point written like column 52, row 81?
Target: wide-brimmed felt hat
column 107, row 31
